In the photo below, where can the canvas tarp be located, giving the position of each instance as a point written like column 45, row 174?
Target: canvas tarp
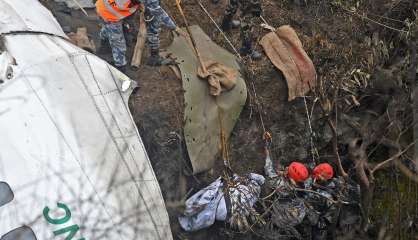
column 285, row 51
column 202, row 125
column 67, row 137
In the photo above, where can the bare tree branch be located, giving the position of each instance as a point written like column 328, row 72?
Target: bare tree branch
column 394, row 157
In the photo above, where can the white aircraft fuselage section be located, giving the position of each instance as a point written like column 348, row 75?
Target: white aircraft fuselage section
column 70, row 152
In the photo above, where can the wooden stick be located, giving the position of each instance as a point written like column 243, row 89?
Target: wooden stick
column 81, row 7
column 140, row 42
column 394, row 157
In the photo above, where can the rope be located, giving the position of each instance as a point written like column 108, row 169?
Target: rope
column 224, row 146
column 259, row 107
column 199, row 58
column 369, row 19
column 222, row 135
column 311, row 133
column 81, row 7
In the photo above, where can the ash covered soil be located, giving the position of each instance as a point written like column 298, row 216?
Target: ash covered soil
column 333, row 39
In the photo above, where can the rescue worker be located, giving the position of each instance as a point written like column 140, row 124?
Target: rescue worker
column 325, row 186
column 154, row 17
column 112, row 13
column 289, row 209
column 250, row 10
column 283, row 181
column 295, row 174
column 323, row 172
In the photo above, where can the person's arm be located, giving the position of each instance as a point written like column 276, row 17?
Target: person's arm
column 269, row 169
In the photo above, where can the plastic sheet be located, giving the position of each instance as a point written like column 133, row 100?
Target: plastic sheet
column 209, row 204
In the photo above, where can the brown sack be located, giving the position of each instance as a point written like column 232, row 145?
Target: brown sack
column 285, row 51
column 219, row 76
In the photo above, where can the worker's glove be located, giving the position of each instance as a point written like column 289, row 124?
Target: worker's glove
column 127, row 28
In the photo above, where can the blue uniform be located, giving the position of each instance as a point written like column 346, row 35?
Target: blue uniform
column 154, row 17
column 113, row 31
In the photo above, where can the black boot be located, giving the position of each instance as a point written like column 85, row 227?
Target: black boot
column 226, row 24
column 156, row 60
column 247, row 49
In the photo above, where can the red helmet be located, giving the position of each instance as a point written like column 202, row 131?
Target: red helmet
column 323, row 171
column 298, row 172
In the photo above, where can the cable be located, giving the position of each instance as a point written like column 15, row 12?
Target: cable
column 311, row 133
column 257, row 102
column 220, row 30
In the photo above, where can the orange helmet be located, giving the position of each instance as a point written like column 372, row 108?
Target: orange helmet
column 323, row 171
column 298, row 172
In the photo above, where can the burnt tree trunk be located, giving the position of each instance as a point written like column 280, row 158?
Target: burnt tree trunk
column 415, row 109
column 357, row 152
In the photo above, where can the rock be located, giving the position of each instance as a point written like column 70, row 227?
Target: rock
column 82, row 40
